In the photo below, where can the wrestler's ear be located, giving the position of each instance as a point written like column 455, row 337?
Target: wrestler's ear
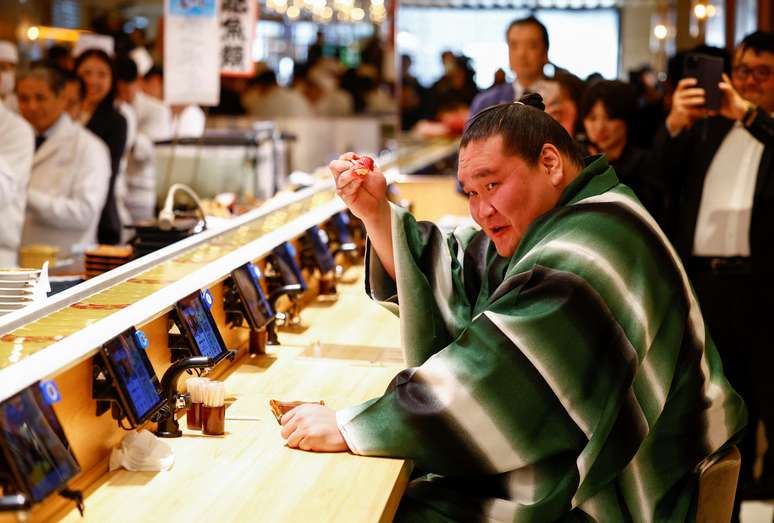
column 551, row 163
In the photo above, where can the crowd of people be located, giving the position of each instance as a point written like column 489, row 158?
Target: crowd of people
column 78, row 165
column 320, row 87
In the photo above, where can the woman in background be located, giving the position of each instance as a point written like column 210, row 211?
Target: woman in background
column 608, row 110
column 100, row 116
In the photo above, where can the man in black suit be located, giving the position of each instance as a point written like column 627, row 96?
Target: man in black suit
column 720, row 174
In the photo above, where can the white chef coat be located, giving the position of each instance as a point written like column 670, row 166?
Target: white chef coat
column 17, row 145
column 68, row 187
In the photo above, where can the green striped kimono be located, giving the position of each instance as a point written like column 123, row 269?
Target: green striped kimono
column 574, row 381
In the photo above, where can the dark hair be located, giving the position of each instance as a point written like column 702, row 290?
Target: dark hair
column 530, row 20
column 619, row 99
column 266, row 78
column 155, row 70
column 101, row 55
column 126, row 70
column 40, row 71
column 524, row 127
column 574, row 88
column 72, row 77
column 56, row 53
column 759, row 41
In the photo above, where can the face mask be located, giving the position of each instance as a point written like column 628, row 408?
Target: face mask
column 7, row 82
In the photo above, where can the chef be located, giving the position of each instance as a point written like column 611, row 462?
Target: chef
column 70, row 168
column 16, row 150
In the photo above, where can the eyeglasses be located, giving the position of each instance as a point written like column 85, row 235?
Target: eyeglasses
column 760, row 73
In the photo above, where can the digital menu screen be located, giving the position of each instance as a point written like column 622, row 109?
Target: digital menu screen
column 38, row 456
column 201, row 327
column 259, row 311
column 134, row 375
column 285, row 257
column 321, row 252
column 341, row 223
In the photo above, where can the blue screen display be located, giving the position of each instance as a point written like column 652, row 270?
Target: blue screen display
column 135, row 374
column 198, row 321
column 251, row 293
column 285, row 256
column 43, row 463
column 341, row 222
column 321, row 252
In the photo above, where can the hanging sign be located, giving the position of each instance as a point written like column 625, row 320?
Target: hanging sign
column 237, row 31
column 191, row 52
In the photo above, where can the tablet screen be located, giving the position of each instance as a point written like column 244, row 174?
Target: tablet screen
column 134, row 374
column 249, row 288
column 285, row 256
column 341, row 223
column 321, row 252
column 201, row 327
column 41, row 462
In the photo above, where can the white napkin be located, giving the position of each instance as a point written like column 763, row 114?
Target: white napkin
column 43, row 286
column 142, row 451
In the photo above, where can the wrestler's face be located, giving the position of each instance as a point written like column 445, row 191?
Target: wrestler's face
column 505, row 194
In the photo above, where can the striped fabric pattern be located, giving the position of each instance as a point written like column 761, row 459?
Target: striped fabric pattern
column 574, row 381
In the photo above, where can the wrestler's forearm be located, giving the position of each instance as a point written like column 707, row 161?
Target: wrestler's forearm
column 379, row 229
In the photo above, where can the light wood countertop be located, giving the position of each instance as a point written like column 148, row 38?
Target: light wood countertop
column 249, row 474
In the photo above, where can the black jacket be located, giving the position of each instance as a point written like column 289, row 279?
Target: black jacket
column 686, row 160
column 110, row 126
column 634, row 168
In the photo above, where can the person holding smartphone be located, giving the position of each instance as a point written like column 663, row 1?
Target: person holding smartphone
column 719, row 168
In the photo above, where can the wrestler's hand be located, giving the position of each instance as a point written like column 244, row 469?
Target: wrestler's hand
column 733, row 106
column 313, row 427
column 687, row 106
column 364, row 194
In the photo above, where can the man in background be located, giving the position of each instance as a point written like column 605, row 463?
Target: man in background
column 721, row 180
column 9, row 58
column 16, row 149
column 154, row 123
column 527, row 40
column 70, row 167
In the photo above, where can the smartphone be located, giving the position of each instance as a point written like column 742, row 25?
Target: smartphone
column 708, row 71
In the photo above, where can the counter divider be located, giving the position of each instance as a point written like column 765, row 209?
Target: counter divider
column 77, row 347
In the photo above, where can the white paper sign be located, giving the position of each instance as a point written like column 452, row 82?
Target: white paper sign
column 237, row 30
column 191, row 52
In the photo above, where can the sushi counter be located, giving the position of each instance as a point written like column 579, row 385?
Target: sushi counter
column 113, row 357
column 195, row 343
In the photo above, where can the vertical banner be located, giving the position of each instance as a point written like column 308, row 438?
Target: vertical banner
column 237, row 31
column 191, row 52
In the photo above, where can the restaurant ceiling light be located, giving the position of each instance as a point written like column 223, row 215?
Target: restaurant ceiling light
column 700, row 10
column 660, row 31
column 59, row 34
column 293, row 12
